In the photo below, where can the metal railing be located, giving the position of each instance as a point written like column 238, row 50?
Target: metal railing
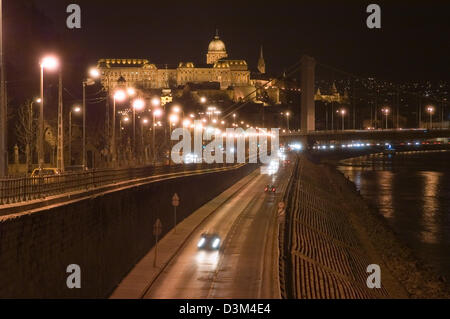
column 22, row 189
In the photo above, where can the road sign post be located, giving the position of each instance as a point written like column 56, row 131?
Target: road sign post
column 281, row 211
column 175, row 204
column 157, row 228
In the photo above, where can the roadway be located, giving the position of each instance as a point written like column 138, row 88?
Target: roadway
column 246, row 266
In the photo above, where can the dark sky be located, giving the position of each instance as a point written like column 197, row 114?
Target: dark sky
column 413, row 42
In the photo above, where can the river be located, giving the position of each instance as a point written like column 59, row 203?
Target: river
column 412, row 192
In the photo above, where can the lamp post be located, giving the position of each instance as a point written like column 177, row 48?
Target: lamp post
column 30, row 129
column 119, row 96
column 430, row 109
column 49, row 63
column 287, row 119
column 124, row 119
column 142, row 150
column 76, row 109
column 342, row 112
column 138, row 104
column 173, row 119
column 3, row 106
column 385, row 111
column 156, row 113
column 94, row 74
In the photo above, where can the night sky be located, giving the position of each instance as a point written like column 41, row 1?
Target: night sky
column 413, row 42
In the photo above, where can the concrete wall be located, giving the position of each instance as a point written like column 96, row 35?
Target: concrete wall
column 105, row 236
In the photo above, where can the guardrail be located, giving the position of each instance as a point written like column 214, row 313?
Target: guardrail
column 22, row 189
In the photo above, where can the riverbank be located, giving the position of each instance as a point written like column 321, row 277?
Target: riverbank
column 335, row 235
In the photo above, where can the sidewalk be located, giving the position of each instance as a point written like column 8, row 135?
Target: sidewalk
column 139, row 279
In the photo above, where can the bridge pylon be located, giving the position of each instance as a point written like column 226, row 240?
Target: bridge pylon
column 307, row 106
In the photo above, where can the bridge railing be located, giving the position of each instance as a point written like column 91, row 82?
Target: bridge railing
column 21, row 189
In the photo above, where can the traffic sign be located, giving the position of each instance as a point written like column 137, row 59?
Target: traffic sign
column 175, row 200
column 157, row 228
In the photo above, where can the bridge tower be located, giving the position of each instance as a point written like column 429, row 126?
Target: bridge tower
column 307, row 106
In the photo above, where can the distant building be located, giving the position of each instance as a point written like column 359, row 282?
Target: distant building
column 229, row 73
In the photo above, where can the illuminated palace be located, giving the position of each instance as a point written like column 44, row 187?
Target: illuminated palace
column 231, row 76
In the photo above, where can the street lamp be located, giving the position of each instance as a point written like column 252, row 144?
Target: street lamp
column 123, row 119
column 49, row 63
column 430, row 109
column 386, row 111
column 156, row 113
column 342, row 112
column 144, row 121
column 138, row 105
column 203, row 99
column 94, row 74
column 118, row 96
column 75, row 109
column 287, row 118
column 30, row 128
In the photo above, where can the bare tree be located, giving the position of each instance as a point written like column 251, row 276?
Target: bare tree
column 26, row 128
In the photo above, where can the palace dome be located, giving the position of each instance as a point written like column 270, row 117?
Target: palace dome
column 216, row 45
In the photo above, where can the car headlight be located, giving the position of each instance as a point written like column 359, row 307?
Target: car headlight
column 201, row 242
column 216, row 243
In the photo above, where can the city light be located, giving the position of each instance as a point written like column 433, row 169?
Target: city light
column 203, row 99
column 186, row 123
column 94, row 73
column 120, row 96
column 176, row 109
column 49, row 63
column 156, row 101
column 138, row 104
column 173, row 118
column 77, row 109
column 131, row 91
column 38, row 100
column 157, row 112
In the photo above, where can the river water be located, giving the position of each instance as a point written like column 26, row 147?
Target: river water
column 412, row 191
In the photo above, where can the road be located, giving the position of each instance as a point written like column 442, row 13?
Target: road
column 246, row 264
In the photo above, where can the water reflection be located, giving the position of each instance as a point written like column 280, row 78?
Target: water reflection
column 412, row 192
column 430, row 206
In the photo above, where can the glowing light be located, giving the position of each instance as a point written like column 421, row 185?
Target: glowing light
column 176, row 109
column 77, row 109
column 173, row 118
column 38, row 100
column 157, row 112
column 138, row 104
column 156, row 101
column 120, row 95
column 131, row 91
column 186, row 123
column 50, row 63
column 203, row 99
column 94, row 73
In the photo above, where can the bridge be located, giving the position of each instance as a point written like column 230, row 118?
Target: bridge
column 310, row 138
